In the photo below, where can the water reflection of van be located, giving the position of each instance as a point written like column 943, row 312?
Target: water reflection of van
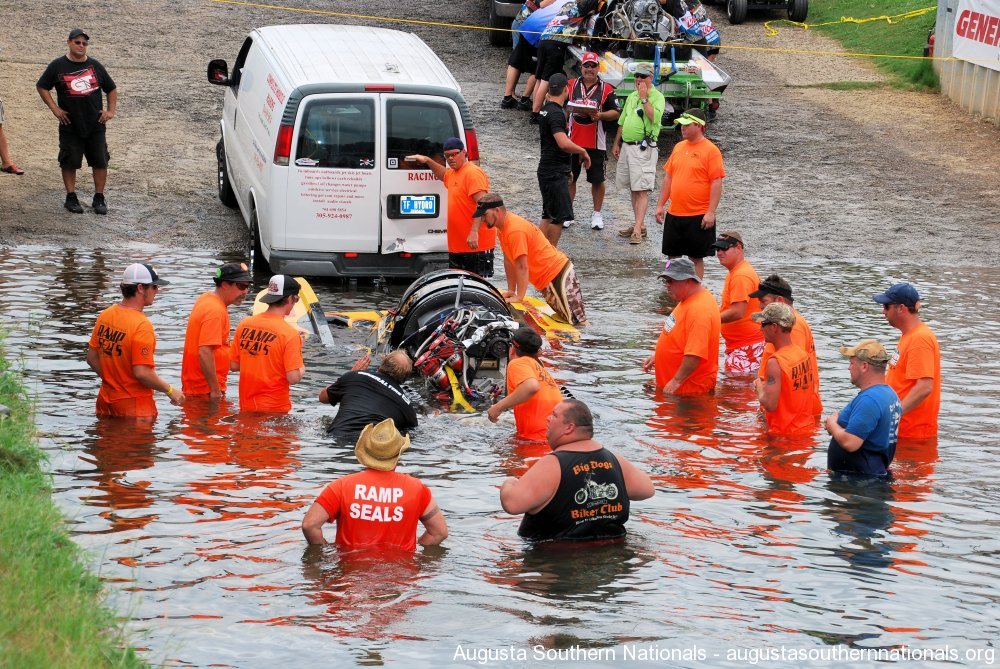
column 316, row 125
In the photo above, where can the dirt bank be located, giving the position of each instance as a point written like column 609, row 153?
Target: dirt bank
column 879, row 174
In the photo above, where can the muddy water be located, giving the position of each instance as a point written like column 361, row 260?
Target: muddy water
column 748, row 546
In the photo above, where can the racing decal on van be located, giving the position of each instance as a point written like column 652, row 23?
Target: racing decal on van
column 366, row 162
column 306, row 162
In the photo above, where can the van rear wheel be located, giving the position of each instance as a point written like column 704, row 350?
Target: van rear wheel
column 500, row 35
column 797, row 10
column 226, row 194
column 260, row 264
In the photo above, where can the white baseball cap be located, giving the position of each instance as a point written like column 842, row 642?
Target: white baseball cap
column 142, row 274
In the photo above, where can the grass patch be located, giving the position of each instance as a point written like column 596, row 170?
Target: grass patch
column 50, row 606
column 908, row 37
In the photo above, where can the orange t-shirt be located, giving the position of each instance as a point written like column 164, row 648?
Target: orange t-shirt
column 462, row 184
column 918, row 357
column 376, row 508
column 692, row 169
column 794, row 413
column 267, row 348
column 692, row 329
column 124, row 338
column 531, row 416
column 208, row 325
column 521, row 237
column 802, row 337
column 740, row 282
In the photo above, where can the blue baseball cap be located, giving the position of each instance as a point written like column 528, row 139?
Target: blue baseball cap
column 453, row 144
column 899, row 293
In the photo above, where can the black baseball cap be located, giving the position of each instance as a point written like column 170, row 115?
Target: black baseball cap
column 235, row 272
column 773, row 286
column 77, row 32
column 483, row 207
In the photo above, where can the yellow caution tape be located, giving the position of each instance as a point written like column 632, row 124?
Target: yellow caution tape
column 897, row 18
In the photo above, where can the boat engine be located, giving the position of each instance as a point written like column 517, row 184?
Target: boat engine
column 457, row 328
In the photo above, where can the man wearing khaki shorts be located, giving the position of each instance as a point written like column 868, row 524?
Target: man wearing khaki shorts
column 6, row 164
column 635, row 146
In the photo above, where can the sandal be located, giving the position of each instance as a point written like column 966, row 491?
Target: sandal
column 12, row 169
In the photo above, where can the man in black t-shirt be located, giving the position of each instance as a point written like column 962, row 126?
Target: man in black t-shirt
column 554, row 163
column 79, row 80
column 371, row 397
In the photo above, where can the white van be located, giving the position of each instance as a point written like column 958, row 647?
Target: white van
column 316, row 125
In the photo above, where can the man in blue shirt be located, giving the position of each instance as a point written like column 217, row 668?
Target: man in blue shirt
column 864, row 434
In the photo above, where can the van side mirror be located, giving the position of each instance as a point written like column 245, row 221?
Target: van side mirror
column 218, row 73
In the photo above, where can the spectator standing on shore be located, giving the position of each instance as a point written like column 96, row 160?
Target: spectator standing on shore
column 915, row 371
column 692, row 184
column 554, row 160
column 205, row 363
column 581, row 491
column 6, row 164
column 79, row 80
column 121, row 350
column 635, row 147
column 594, row 106
column 522, row 58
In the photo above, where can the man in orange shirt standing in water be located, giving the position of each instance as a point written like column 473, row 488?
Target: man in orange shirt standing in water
column 267, row 351
column 915, row 371
column 469, row 248
column 377, row 507
column 786, row 391
column 530, row 388
column 775, row 289
column 122, row 346
column 529, row 257
column 205, row 365
column 744, row 340
column 686, row 360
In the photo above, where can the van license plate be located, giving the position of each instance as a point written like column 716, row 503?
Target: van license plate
column 418, row 205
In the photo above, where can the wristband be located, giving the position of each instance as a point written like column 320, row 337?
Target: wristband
column 170, row 389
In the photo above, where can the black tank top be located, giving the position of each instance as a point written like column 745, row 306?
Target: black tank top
column 590, row 503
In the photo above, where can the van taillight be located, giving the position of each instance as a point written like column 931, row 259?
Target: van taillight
column 472, row 144
column 351, row 254
column 283, row 146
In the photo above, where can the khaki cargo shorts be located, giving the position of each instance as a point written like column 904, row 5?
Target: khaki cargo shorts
column 637, row 168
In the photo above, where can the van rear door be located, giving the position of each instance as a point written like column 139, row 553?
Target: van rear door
column 414, row 201
column 333, row 188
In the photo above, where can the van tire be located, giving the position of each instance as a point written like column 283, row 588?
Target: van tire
column 260, row 265
column 226, row 194
column 797, row 10
column 501, row 35
column 736, row 10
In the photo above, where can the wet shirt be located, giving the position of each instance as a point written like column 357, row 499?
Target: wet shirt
column 462, row 184
column 376, row 508
column 78, row 90
column 584, row 131
column 123, row 337
column 208, row 325
column 590, row 503
column 873, row 415
column 553, row 161
column 918, row 357
column 532, row 416
column 802, row 337
column 532, row 27
column 520, row 237
column 267, row 348
column 794, row 414
column 692, row 168
column 740, row 282
column 369, row 397
column 691, row 329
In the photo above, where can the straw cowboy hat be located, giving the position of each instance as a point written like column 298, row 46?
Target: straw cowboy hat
column 380, row 446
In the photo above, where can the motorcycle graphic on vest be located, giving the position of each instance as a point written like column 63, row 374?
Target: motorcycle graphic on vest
column 592, row 490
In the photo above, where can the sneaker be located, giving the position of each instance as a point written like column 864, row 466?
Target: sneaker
column 568, row 223
column 99, row 205
column 534, row 118
column 597, row 221
column 508, row 102
column 627, row 232
column 72, row 203
column 524, row 104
